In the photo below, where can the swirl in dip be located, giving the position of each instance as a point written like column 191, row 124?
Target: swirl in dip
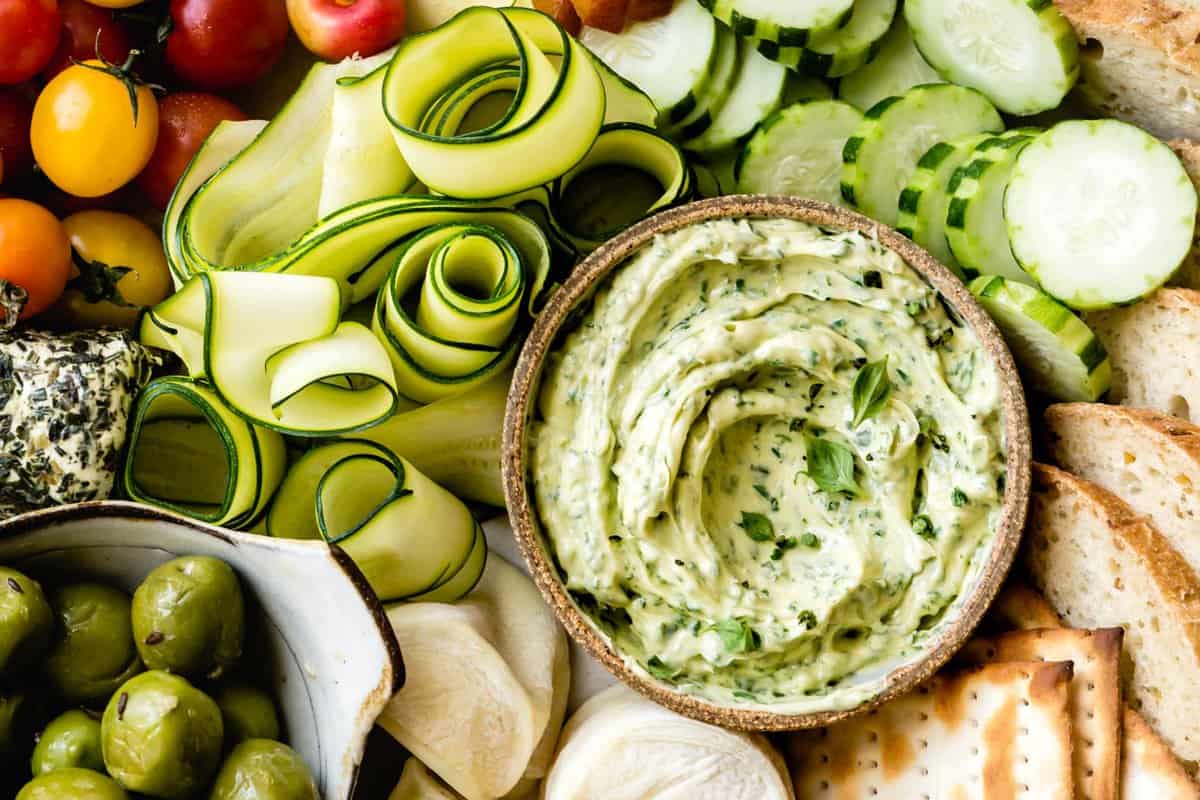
column 769, row 460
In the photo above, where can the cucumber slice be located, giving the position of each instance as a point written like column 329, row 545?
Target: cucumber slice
column 1099, row 213
column 409, row 536
column 798, row 151
column 1022, row 54
column 975, row 228
column 191, row 453
column 789, row 24
column 799, row 88
column 670, row 58
column 757, row 92
column 896, row 68
column 716, row 90
column 880, row 158
column 1057, row 353
column 923, row 202
column 841, row 51
column 624, row 102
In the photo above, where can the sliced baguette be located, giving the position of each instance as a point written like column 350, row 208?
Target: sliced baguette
column 1149, row 770
column 997, row 730
column 1188, row 151
column 1150, row 460
column 1153, row 346
column 1102, row 565
column 1140, row 62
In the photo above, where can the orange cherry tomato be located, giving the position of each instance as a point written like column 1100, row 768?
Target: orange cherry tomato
column 35, row 253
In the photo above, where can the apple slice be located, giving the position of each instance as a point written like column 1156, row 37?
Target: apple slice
column 462, row 710
column 607, row 15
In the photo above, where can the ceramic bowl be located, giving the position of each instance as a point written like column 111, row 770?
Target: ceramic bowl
column 324, row 638
column 522, row 399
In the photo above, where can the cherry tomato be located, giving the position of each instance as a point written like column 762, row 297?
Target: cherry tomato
column 185, row 119
column 116, row 3
column 82, row 23
column 222, row 44
column 28, row 36
column 101, row 292
column 86, row 136
column 16, row 113
column 34, row 253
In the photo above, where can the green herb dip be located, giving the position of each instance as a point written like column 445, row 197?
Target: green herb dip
column 768, row 462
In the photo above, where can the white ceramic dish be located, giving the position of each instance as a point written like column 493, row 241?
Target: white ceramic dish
column 328, row 645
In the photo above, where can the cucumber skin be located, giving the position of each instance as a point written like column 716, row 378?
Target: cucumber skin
column 782, row 35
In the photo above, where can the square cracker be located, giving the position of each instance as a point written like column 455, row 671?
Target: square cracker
column 1095, row 694
column 1149, row 770
column 991, row 732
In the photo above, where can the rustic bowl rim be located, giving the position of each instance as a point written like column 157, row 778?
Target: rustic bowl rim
column 578, row 287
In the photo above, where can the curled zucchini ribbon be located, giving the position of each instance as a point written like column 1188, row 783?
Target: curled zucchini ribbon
column 557, row 107
column 273, row 349
column 448, row 311
column 411, row 538
column 192, row 454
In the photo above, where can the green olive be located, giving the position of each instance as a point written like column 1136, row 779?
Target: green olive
column 249, row 713
column 72, row 784
column 70, row 740
column 26, row 622
column 259, row 769
column 188, row 617
column 161, row 736
column 93, row 651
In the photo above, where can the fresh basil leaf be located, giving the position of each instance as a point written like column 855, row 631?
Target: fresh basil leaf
column 757, row 526
column 870, row 391
column 831, row 466
column 737, row 635
column 658, row 669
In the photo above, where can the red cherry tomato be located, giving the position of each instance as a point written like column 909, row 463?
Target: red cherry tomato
column 223, row 44
column 185, row 119
column 16, row 114
column 28, row 36
column 81, row 23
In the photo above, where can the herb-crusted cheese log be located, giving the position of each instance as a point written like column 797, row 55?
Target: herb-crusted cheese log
column 64, row 405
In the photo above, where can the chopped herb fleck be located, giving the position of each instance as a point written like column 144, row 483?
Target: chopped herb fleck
column 923, row 527
column 872, row 279
column 810, row 540
column 808, row 619
column 958, row 497
column 757, row 526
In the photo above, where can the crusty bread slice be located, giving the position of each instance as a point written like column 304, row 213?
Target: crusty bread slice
column 1140, row 62
column 1149, row 770
column 1188, row 151
column 1149, row 460
column 1101, row 565
column 1019, row 607
column 998, row 730
column 1154, row 347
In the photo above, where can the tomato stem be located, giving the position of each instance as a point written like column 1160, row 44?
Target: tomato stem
column 122, row 72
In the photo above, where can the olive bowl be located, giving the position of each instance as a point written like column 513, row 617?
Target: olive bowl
column 888, row 680
column 315, row 630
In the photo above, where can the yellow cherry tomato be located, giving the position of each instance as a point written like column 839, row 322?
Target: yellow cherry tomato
column 116, row 3
column 101, row 292
column 84, row 133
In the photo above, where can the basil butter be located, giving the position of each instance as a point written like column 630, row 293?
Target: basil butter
column 768, row 462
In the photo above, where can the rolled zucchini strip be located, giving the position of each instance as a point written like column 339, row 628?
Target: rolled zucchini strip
column 619, row 148
column 191, row 453
column 274, row 350
column 467, row 283
column 412, row 539
column 557, row 109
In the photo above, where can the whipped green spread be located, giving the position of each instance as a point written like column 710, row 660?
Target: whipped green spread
column 769, row 461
